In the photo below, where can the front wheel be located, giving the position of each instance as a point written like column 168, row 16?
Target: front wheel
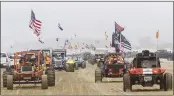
column 9, row 82
column 98, row 75
column 44, row 82
column 84, row 65
column 167, row 81
column 76, row 66
column 127, row 86
column 51, row 77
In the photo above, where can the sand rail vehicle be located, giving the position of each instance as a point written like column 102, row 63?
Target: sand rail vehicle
column 112, row 67
column 146, row 71
column 28, row 71
column 59, row 58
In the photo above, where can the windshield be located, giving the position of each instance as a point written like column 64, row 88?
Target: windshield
column 3, row 55
column 75, row 58
column 69, row 57
column 59, row 55
column 147, row 62
column 47, row 52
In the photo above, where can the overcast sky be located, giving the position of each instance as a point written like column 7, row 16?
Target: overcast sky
column 86, row 20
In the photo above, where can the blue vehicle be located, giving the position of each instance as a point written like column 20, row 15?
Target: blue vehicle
column 79, row 62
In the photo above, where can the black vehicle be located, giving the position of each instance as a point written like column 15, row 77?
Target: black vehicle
column 146, row 71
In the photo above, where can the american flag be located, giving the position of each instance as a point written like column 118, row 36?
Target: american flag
column 35, row 24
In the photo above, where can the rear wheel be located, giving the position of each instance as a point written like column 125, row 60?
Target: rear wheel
column 76, row 66
column 44, row 82
column 51, row 76
column 66, row 67
column 98, row 75
column 167, row 81
column 127, row 86
column 70, row 67
column 162, row 83
column 5, row 73
column 9, row 82
column 84, row 64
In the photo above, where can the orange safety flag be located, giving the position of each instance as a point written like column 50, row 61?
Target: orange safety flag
column 157, row 34
column 48, row 59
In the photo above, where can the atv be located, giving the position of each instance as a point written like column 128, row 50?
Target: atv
column 28, row 71
column 146, row 71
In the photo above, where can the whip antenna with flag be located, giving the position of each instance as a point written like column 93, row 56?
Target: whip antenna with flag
column 157, row 36
column 106, row 36
column 60, row 27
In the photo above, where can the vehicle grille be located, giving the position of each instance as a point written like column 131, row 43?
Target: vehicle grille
column 58, row 63
column 26, row 68
column 115, row 67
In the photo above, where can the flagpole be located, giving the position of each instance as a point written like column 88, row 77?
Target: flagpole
column 115, row 45
column 157, row 35
column 57, row 39
column 120, row 42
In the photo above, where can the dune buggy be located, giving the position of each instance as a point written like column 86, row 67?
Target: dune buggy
column 146, row 71
column 112, row 67
column 28, row 70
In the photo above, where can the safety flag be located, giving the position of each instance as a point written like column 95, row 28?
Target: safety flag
column 106, row 36
column 157, row 34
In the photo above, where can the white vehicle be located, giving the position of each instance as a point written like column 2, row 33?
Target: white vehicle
column 12, row 60
column 5, row 60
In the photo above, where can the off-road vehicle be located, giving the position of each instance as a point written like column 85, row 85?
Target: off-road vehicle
column 146, row 71
column 112, row 67
column 28, row 70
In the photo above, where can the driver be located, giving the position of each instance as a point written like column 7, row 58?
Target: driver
column 119, row 59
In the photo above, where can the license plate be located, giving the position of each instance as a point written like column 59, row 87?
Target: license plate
column 147, row 78
column 27, row 77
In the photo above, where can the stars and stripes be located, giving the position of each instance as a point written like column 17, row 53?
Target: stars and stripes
column 124, row 42
column 35, row 24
